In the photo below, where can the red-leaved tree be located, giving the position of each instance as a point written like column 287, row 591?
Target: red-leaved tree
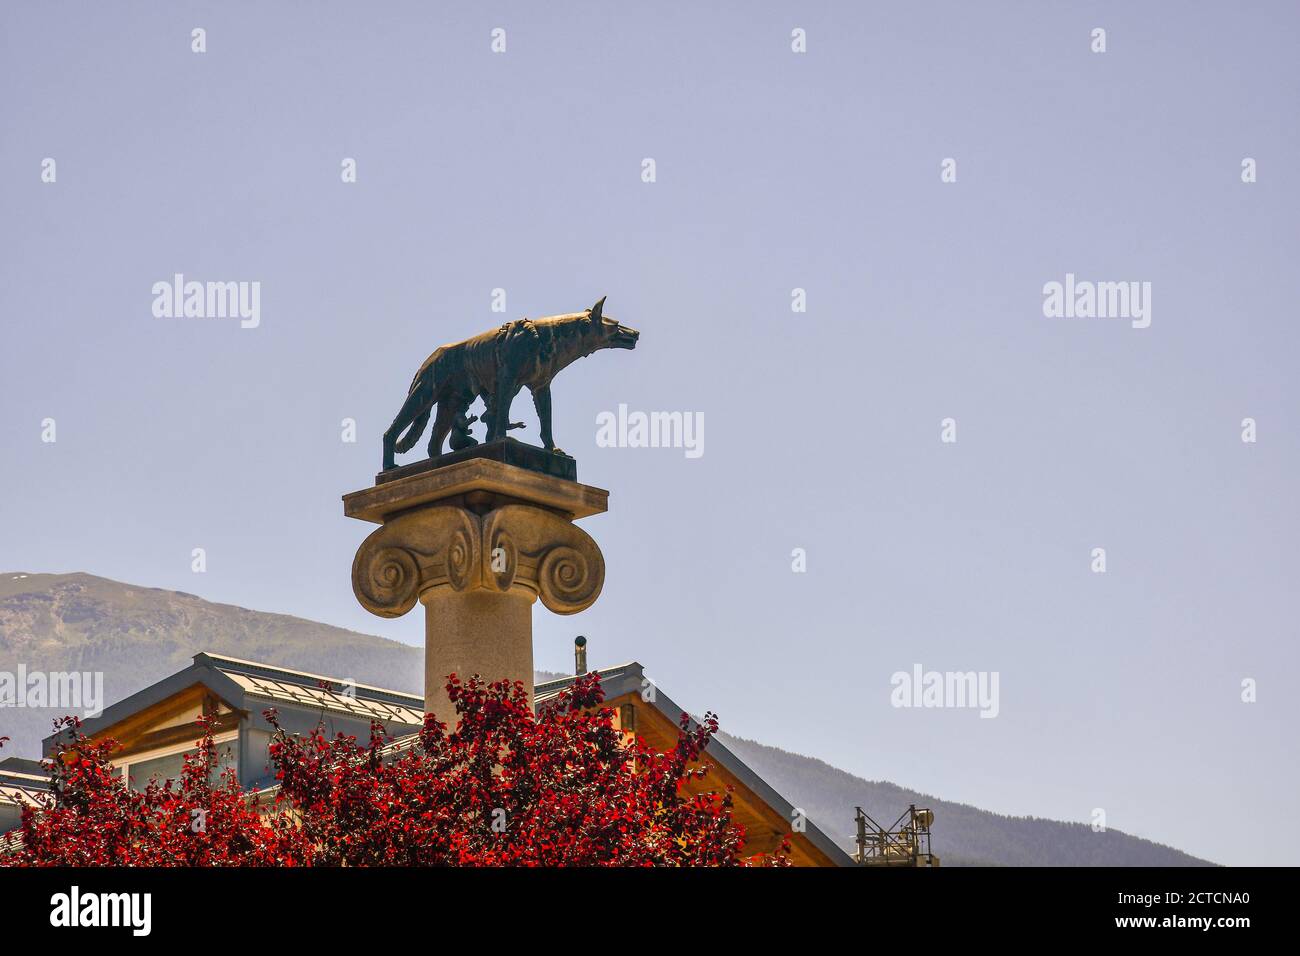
column 563, row 787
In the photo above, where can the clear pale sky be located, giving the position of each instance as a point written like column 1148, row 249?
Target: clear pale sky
column 775, row 170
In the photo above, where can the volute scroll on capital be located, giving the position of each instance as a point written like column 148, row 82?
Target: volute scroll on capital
column 511, row 546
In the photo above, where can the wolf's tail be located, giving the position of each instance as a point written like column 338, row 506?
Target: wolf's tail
column 416, row 428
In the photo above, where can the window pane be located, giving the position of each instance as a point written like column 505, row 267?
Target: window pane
column 163, row 768
column 227, row 756
column 171, row 766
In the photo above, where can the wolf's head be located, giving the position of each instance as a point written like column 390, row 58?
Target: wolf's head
column 610, row 335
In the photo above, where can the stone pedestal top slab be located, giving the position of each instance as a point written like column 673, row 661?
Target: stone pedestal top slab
column 476, row 481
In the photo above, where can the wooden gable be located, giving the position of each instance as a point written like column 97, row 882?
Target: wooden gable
column 764, row 826
column 169, row 722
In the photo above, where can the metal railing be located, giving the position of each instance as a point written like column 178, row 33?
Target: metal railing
column 905, row 842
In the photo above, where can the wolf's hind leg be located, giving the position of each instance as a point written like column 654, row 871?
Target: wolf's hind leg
column 442, row 423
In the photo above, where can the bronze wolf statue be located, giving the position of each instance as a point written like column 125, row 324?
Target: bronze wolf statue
column 494, row 366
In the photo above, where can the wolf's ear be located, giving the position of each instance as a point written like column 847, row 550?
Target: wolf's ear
column 597, row 309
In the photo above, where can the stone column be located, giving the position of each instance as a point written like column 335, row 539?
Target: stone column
column 476, row 542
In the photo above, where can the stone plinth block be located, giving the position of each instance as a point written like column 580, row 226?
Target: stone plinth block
column 476, row 542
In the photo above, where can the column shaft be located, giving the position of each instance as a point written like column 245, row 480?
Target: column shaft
column 489, row 633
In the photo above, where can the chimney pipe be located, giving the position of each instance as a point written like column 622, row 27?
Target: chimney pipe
column 579, row 656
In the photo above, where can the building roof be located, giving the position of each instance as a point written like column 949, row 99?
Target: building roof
column 360, row 705
column 20, row 765
column 250, row 686
column 283, row 675
column 20, row 790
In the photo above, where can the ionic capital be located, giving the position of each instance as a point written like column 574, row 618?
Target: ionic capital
column 512, row 546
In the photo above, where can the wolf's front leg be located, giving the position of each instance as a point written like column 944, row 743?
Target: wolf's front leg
column 542, row 402
column 497, row 415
